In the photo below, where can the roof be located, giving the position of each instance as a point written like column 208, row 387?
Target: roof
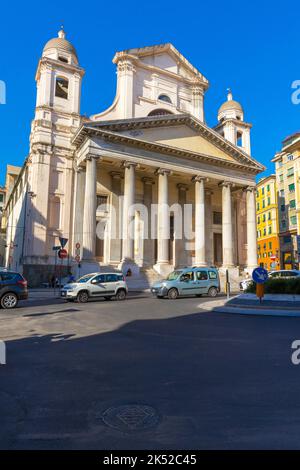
column 61, row 43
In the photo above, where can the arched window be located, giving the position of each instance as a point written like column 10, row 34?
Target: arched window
column 61, row 88
column 165, row 98
column 159, row 112
column 63, row 59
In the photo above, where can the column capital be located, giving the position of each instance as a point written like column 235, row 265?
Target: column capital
column 227, row 184
column 250, row 189
column 148, row 180
column 128, row 164
column 116, row 175
column 182, row 187
column 163, row 171
column 91, row 156
column 199, row 178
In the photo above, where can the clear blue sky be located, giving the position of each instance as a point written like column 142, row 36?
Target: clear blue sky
column 252, row 48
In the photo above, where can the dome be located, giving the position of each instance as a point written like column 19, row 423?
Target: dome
column 62, row 44
column 230, row 109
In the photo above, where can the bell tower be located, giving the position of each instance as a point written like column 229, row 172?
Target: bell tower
column 231, row 124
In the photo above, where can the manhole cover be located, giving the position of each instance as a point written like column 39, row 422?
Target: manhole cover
column 131, row 417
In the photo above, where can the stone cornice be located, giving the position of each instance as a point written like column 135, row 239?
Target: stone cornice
column 57, row 64
column 107, row 130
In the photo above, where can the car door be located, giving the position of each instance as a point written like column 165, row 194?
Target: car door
column 187, row 283
column 98, row 286
column 111, row 281
column 202, row 281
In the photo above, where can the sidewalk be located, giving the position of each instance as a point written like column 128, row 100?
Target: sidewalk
column 248, row 304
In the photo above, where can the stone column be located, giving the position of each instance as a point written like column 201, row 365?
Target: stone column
column 115, row 219
column 227, row 230
column 128, row 216
column 251, row 229
column 200, row 255
column 181, row 254
column 78, row 209
column 208, row 227
column 163, row 223
column 148, row 249
column 89, row 214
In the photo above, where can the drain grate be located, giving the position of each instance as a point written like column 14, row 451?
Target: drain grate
column 130, row 418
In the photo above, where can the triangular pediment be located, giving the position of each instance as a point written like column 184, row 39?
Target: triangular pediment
column 173, row 134
column 181, row 137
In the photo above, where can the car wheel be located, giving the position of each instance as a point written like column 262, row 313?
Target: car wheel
column 82, row 297
column 173, row 293
column 121, row 294
column 9, row 300
column 213, row 292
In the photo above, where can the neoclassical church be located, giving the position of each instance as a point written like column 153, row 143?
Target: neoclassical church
column 151, row 147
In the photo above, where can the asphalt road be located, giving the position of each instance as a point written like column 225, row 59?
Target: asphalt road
column 146, row 374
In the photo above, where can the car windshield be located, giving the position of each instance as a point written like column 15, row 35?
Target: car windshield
column 85, row 278
column 174, row 275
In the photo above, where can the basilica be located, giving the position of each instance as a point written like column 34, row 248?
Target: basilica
column 91, row 180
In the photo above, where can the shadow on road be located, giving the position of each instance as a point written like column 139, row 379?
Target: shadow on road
column 216, row 381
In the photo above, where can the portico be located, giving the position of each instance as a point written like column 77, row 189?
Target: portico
column 175, row 181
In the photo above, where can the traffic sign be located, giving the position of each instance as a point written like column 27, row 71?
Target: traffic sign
column 62, row 253
column 63, row 241
column 260, row 275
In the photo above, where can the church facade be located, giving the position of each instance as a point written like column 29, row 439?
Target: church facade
column 145, row 184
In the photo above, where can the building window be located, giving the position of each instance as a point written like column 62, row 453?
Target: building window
column 61, row 88
column 281, row 193
column 293, row 204
column 268, row 188
column 269, row 216
column 269, row 201
column 270, row 230
column 217, row 218
column 290, row 157
column 293, row 220
column 264, row 218
column 257, row 193
column 159, row 112
column 270, row 245
column 265, row 231
column 63, row 59
column 1, row 197
column 264, row 204
column 290, row 171
column 257, row 206
column 292, row 188
column 165, row 98
column 281, row 178
column 262, row 191
column 258, row 220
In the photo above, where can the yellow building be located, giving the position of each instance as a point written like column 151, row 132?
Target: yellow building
column 287, row 164
column 267, row 223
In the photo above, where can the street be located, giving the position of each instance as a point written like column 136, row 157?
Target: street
column 146, row 374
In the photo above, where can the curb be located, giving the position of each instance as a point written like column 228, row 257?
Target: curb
column 257, row 312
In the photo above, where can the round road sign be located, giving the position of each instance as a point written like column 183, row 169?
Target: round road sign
column 62, row 253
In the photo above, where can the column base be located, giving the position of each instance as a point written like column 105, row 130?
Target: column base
column 128, row 264
column 164, row 269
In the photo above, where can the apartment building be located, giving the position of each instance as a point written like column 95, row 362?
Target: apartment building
column 287, row 165
column 268, row 252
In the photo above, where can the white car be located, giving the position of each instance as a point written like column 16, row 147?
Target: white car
column 94, row 285
column 245, row 284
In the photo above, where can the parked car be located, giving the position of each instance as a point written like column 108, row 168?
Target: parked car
column 95, row 285
column 284, row 274
column 279, row 274
column 188, row 281
column 13, row 287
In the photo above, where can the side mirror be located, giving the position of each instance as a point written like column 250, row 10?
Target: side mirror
column 94, row 281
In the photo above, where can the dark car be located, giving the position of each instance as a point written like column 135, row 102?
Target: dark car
column 13, row 287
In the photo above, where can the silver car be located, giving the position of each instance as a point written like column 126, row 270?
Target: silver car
column 94, row 285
